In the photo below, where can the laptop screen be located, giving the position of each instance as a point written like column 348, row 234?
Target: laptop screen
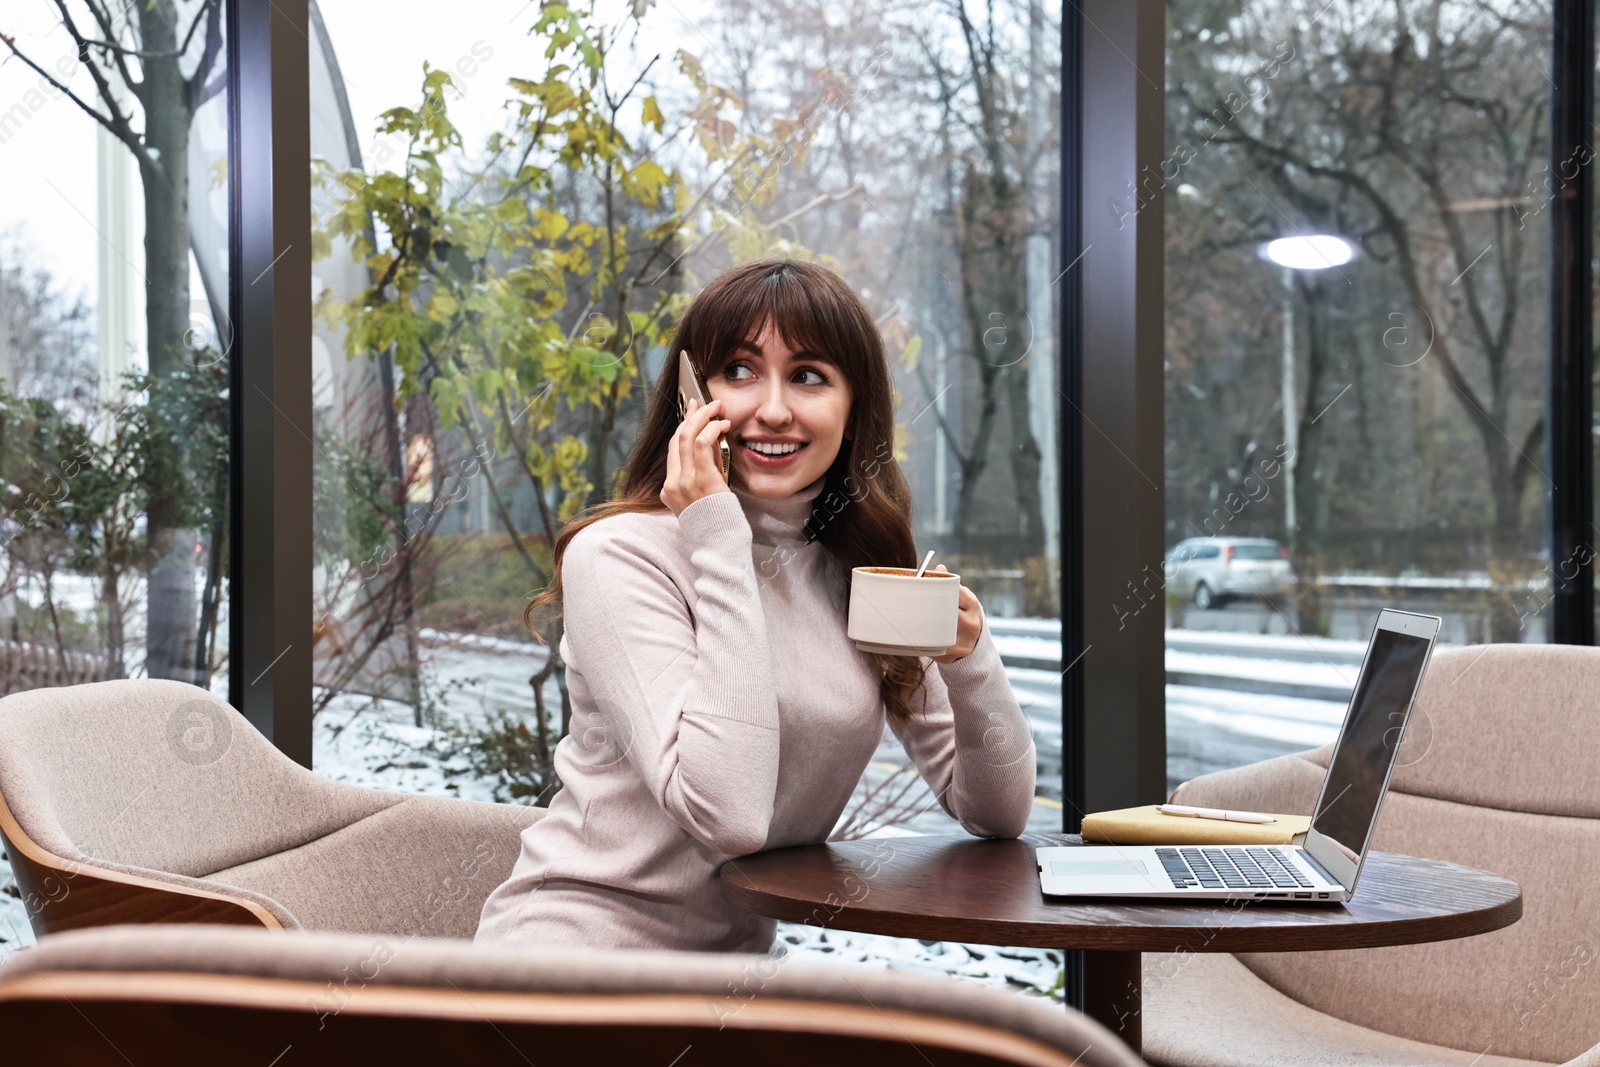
column 1366, row 746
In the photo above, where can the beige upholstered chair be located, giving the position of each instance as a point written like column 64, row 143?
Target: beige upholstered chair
column 210, row 995
column 154, row 801
column 1500, row 770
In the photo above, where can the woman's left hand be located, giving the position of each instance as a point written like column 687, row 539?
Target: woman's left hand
column 969, row 626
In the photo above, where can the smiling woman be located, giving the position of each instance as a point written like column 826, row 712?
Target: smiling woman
column 718, row 706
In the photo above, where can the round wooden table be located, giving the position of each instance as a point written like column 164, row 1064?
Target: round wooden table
column 986, row 891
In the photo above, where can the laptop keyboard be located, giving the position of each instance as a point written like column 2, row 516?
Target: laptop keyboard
column 1230, row 868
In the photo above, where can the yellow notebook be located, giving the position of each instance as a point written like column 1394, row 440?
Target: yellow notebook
column 1147, row 826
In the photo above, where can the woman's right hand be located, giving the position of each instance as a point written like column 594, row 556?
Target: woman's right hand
column 694, row 463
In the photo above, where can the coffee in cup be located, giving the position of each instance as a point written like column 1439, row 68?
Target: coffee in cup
column 896, row 613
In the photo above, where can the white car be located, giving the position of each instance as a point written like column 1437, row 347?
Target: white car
column 1213, row 570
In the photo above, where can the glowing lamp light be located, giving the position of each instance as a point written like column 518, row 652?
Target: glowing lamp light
column 1309, row 252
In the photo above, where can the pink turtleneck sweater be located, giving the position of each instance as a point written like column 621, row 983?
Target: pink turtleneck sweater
column 719, row 709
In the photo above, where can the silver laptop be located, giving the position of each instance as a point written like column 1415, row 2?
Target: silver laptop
column 1326, row 867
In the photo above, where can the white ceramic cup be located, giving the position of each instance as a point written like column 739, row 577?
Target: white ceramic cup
column 895, row 613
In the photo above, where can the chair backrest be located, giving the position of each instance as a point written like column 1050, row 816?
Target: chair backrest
column 1500, row 770
column 210, row 994
column 160, row 775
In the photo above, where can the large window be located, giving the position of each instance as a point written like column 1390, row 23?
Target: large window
column 629, row 159
column 114, row 344
column 1355, row 413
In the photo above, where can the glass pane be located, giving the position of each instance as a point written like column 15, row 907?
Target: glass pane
column 113, row 356
column 448, row 461
column 1556, row 182
column 1356, row 314
column 915, row 156
column 114, row 345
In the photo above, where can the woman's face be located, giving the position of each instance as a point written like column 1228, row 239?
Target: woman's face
column 777, row 396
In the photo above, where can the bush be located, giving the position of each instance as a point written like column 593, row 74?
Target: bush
column 34, row 625
column 477, row 583
column 503, row 750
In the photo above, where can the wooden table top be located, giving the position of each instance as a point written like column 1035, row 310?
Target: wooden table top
column 985, row 891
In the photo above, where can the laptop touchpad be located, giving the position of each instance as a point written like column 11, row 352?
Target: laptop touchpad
column 1087, row 867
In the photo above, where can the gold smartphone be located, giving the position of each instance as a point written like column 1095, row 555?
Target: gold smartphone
column 692, row 386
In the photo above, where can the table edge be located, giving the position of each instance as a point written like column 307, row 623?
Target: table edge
column 1375, row 933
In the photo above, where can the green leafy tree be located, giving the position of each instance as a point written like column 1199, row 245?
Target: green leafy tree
column 521, row 300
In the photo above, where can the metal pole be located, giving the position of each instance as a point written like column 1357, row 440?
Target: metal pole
column 269, row 618
column 1291, row 414
column 1569, row 388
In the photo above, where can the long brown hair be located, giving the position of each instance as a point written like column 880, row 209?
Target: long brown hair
column 862, row 517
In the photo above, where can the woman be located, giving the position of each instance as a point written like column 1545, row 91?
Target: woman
column 718, row 708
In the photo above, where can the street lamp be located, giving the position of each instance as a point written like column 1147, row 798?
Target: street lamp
column 1316, row 251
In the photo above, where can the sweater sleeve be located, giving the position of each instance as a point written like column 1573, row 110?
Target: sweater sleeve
column 972, row 745
column 687, row 697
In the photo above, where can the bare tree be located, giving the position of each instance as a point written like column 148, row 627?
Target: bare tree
column 1418, row 130
column 918, row 114
column 46, row 343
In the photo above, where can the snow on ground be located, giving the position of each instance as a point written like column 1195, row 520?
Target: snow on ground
column 1211, row 729
column 1266, row 646
column 1041, row 647
column 1301, row 723
column 1333, row 675
column 15, row 932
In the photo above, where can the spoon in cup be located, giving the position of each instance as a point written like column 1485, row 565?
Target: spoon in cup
column 925, row 561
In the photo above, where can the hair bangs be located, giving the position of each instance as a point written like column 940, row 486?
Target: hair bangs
column 804, row 319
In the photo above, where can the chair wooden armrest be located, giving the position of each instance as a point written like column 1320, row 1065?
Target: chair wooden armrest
column 66, row 894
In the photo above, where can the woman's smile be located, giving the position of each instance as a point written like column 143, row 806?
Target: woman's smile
column 770, row 453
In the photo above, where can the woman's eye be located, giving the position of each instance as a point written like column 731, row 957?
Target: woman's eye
column 818, row 378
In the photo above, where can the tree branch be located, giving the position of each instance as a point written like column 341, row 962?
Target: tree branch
column 102, row 18
column 116, row 124
column 196, row 87
column 469, row 426
column 538, row 483
column 1463, row 257
column 1525, row 465
column 1395, row 228
column 95, row 72
column 694, row 208
column 623, row 99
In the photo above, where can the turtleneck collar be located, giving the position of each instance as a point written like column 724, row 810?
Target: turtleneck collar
column 780, row 522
